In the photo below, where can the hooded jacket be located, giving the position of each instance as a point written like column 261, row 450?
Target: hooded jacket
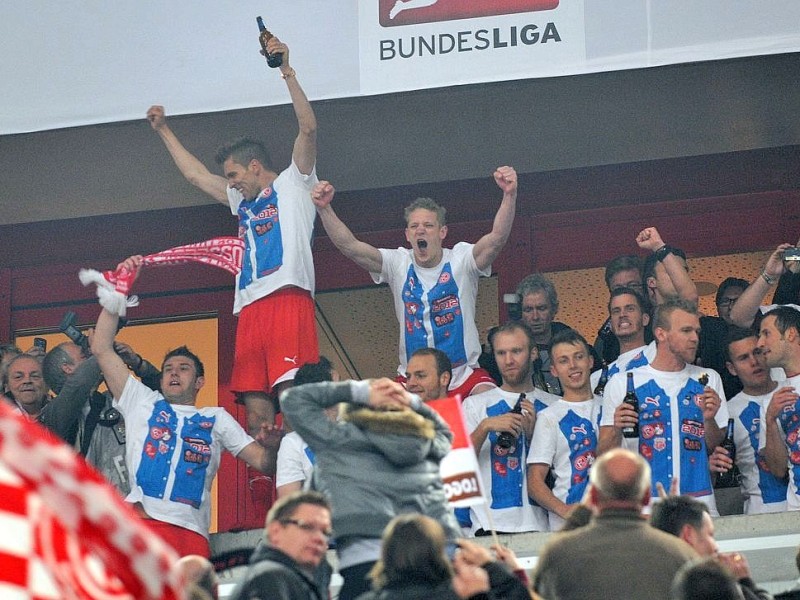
column 273, row 575
column 373, row 465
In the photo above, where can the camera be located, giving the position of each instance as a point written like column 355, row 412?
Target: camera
column 791, row 254
column 67, row 327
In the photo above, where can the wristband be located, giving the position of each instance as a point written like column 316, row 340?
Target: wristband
column 662, row 252
column 289, row 74
column 768, row 278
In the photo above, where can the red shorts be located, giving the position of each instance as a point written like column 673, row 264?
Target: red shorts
column 184, row 541
column 274, row 337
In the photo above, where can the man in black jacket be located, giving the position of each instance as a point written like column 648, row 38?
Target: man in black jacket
column 291, row 565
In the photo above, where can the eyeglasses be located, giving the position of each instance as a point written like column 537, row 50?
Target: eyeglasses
column 308, row 527
column 726, row 302
column 636, row 287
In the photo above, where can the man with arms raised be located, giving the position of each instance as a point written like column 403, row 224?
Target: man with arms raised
column 618, row 555
column 490, row 422
column 173, row 448
column 434, row 288
column 679, row 417
column 276, row 331
column 565, row 436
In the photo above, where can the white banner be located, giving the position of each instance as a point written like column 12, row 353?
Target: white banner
column 78, row 62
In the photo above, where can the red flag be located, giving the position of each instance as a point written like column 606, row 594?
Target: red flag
column 459, row 469
column 66, row 533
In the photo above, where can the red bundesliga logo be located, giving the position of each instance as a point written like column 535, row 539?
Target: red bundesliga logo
column 409, row 12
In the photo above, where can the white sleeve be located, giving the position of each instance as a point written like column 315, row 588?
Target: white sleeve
column 234, row 438
column 290, row 461
column 463, row 252
column 612, row 398
column 543, row 444
column 389, row 261
column 473, row 415
column 134, row 395
column 723, row 414
column 234, row 200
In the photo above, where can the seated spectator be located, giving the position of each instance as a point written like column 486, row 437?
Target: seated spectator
column 291, row 564
column 705, row 580
column 414, row 566
column 565, row 436
column 689, row 520
column 295, row 458
column 539, row 304
column 588, row 562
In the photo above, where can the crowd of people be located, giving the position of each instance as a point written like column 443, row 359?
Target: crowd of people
column 555, row 422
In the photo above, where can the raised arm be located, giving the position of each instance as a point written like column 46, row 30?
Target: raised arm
column 192, row 169
column 365, row 256
column 650, row 239
column 489, row 246
column 744, row 310
column 304, row 153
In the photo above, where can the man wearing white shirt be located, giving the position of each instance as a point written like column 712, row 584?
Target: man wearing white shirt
column 679, row 417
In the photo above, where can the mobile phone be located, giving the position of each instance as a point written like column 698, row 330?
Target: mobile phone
column 39, row 342
column 791, row 254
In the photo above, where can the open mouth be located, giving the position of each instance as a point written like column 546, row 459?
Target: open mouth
column 422, row 244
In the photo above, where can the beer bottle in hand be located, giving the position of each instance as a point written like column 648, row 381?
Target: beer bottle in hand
column 730, row 478
column 504, row 438
column 631, row 431
column 273, row 60
column 601, row 384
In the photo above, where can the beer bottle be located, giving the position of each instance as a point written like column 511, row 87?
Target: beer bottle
column 601, row 385
column 631, row 431
column 504, row 438
column 273, row 60
column 730, row 478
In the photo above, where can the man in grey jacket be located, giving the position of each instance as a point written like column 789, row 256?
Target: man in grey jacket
column 382, row 459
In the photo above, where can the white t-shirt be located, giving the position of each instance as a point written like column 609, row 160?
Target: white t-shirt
column 173, row 453
column 565, row 438
column 764, row 493
column 435, row 306
column 638, row 357
column 503, row 471
column 276, row 227
column 294, row 461
column 789, row 421
column 671, row 425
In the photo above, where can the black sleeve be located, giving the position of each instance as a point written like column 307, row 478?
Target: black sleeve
column 504, row 584
column 788, row 290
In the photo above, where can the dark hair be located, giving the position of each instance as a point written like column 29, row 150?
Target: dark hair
column 649, row 267
column 672, row 513
column 663, row 313
column 242, row 151
column 285, row 507
column 785, row 317
column 536, row 282
column 185, row 352
column 314, row 372
column 643, row 304
column 412, row 552
column 443, row 364
column 705, row 579
column 736, row 334
column 626, row 262
column 426, row 204
column 730, row 282
column 54, row 375
column 569, row 336
column 510, row 327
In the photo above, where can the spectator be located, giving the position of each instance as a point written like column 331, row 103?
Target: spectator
column 689, row 520
column 665, row 271
column 617, row 541
column 291, row 565
column 276, row 330
column 173, row 448
column 429, row 373
column 764, row 492
column 489, row 420
column 779, row 340
column 705, row 580
column 26, row 385
column 728, row 293
column 295, row 458
column 565, row 436
column 621, row 272
column 382, row 459
column 678, row 416
column 435, row 289
column 198, row 572
column 414, row 566
column 7, row 352
column 539, row 303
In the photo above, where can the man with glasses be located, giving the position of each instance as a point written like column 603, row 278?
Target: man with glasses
column 291, row 564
